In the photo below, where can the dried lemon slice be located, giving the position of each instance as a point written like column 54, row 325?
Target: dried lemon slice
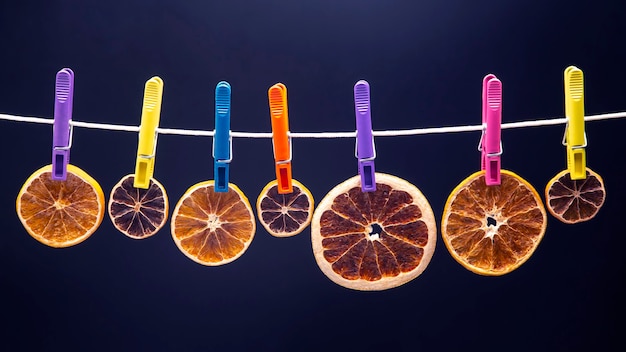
column 373, row 240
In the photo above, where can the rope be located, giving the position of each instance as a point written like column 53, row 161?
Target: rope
column 388, row 133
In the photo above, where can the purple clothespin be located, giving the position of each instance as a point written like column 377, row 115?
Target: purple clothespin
column 365, row 151
column 61, row 129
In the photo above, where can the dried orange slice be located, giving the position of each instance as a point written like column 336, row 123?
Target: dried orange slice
column 492, row 230
column 213, row 228
column 285, row 215
column 573, row 201
column 373, row 240
column 136, row 212
column 60, row 213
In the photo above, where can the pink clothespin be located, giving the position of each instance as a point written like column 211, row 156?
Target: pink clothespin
column 490, row 142
column 61, row 129
column 365, row 151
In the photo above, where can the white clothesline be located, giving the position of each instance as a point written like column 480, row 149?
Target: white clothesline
column 352, row 134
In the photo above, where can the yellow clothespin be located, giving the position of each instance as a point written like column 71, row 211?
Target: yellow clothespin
column 150, row 115
column 575, row 139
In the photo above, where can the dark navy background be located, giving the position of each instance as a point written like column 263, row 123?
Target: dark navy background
column 425, row 63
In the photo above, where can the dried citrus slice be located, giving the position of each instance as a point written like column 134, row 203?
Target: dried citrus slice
column 60, row 213
column 284, row 215
column 492, row 230
column 373, row 240
column 136, row 212
column 213, row 228
column 573, row 201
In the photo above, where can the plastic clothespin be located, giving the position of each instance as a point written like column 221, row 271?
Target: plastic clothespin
column 281, row 141
column 575, row 138
column 491, row 143
column 365, row 151
column 222, row 143
column 61, row 130
column 150, row 115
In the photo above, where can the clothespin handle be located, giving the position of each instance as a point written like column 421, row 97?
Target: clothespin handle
column 491, row 150
column 281, row 142
column 365, row 151
column 150, row 115
column 61, row 129
column 575, row 138
column 222, row 143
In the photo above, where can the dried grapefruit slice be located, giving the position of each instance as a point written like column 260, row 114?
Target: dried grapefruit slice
column 136, row 212
column 373, row 240
column 285, row 215
column 573, row 201
column 60, row 213
column 213, row 228
column 492, row 230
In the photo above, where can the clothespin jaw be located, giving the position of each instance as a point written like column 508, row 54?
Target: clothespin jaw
column 281, row 141
column 491, row 143
column 365, row 151
column 150, row 115
column 61, row 130
column 575, row 138
column 222, row 143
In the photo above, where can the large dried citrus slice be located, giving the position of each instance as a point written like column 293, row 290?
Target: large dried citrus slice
column 373, row 240
column 136, row 212
column 573, row 201
column 492, row 230
column 60, row 213
column 284, row 215
column 213, row 228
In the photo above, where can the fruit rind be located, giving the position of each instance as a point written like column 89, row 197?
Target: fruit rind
column 444, row 223
column 397, row 183
column 82, row 175
column 303, row 226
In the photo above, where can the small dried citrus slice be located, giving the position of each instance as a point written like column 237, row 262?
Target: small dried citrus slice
column 284, row 215
column 492, row 230
column 573, row 201
column 373, row 240
column 136, row 212
column 60, row 213
column 213, row 228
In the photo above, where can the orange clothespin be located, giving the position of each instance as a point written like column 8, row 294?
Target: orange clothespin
column 281, row 141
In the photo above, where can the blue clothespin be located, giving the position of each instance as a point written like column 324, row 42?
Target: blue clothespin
column 365, row 151
column 222, row 143
column 61, row 129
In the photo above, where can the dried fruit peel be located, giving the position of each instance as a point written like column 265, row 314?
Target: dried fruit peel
column 518, row 229
column 285, row 215
column 45, row 224
column 348, row 250
column 213, row 228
